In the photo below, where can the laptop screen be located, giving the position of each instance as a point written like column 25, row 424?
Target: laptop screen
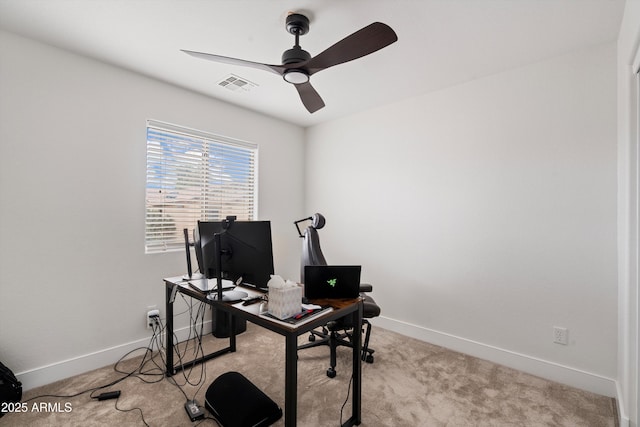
column 332, row 281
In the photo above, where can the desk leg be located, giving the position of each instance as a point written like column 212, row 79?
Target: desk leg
column 169, row 330
column 291, row 381
column 232, row 332
column 356, row 401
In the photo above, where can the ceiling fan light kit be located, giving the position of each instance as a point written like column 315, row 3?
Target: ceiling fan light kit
column 295, row 77
column 298, row 65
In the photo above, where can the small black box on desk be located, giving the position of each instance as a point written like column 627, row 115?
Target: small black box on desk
column 236, row 402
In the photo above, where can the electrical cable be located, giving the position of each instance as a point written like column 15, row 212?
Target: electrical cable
column 195, row 334
column 156, row 371
column 136, row 373
column 130, row 410
column 195, row 338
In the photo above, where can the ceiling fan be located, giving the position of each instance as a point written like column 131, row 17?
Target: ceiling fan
column 298, row 65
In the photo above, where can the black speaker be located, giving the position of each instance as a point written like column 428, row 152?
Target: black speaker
column 221, row 324
column 236, row 402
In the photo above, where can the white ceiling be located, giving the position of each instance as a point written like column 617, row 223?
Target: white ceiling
column 440, row 42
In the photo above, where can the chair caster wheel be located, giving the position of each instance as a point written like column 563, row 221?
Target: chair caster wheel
column 312, row 338
column 331, row 373
column 369, row 358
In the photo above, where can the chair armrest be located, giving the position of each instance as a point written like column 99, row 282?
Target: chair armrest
column 366, row 287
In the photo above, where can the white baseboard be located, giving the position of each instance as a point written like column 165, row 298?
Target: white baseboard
column 67, row 368
column 622, row 414
column 564, row 374
column 522, row 362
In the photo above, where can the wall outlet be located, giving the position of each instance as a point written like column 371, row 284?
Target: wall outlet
column 560, row 335
column 151, row 315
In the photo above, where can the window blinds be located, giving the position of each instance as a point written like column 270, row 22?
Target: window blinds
column 193, row 175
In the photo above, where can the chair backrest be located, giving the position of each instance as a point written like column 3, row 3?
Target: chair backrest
column 311, row 251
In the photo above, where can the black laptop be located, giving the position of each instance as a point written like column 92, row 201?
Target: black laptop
column 331, row 281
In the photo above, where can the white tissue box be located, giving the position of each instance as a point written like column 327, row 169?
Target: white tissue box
column 285, row 302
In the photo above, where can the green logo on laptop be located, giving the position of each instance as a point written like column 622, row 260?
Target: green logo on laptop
column 332, row 282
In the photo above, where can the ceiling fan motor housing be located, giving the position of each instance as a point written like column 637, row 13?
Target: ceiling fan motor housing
column 295, row 54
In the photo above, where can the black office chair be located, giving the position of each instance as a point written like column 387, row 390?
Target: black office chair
column 339, row 332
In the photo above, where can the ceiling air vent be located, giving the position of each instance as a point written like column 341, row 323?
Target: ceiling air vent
column 237, row 84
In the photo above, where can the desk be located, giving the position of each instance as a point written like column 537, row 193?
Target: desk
column 290, row 332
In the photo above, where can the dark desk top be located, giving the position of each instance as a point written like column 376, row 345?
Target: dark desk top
column 254, row 312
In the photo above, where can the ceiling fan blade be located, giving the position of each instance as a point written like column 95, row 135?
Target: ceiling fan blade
column 363, row 42
column 310, row 98
column 277, row 69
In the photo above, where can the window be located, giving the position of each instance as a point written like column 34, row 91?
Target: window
column 193, row 175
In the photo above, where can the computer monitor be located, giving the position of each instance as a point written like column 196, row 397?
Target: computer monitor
column 246, row 251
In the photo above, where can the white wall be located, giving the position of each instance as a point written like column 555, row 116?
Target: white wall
column 75, row 283
column 628, row 191
column 485, row 214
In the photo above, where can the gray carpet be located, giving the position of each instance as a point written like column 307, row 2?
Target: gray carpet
column 411, row 383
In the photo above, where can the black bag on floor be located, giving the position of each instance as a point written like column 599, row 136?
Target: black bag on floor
column 236, row 402
column 10, row 387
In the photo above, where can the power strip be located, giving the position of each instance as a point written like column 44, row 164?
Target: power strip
column 194, row 411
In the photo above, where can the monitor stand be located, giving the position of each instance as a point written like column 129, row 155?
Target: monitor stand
column 228, row 296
